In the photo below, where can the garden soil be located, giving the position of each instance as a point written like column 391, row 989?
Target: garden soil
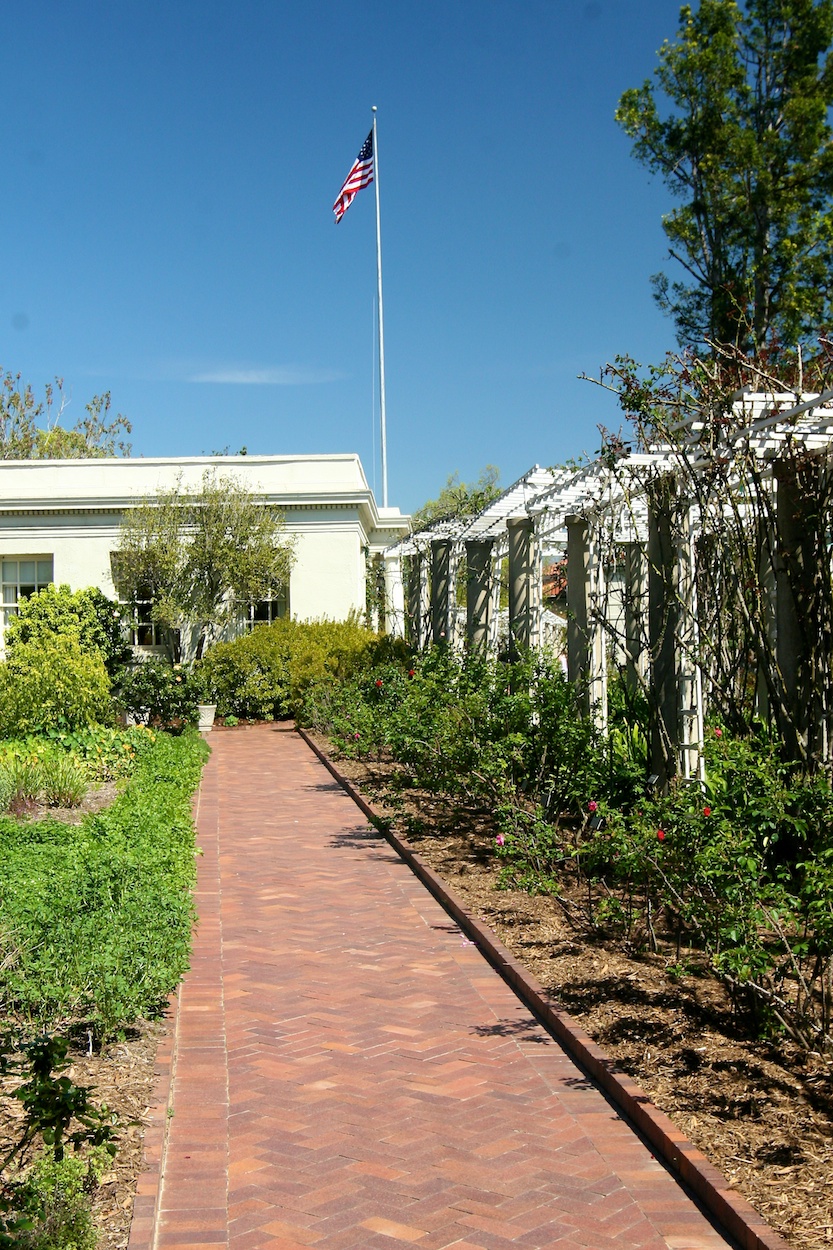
column 760, row 1110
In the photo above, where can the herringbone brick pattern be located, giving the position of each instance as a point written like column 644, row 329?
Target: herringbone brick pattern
column 350, row 1072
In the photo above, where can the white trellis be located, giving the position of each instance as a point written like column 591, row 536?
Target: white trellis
column 584, row 512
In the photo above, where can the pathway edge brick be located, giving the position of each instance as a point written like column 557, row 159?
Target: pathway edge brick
column 145, row 1213
column 144, row 1218
column 669, row 1143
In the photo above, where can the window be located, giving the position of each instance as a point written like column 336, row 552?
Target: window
column 144, row 631
column 265, row 611
column 22, row 577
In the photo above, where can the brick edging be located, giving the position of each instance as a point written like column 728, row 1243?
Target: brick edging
column 702, row 1178
column 144, row 1219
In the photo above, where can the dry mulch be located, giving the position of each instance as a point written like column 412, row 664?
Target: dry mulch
column 761, row 1110
column 122, row 1076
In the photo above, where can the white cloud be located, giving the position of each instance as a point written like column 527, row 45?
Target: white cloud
column 265, row 377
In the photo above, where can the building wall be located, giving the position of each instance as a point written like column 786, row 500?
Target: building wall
column 72, row 511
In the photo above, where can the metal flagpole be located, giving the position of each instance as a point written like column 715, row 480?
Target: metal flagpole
column 381, row 319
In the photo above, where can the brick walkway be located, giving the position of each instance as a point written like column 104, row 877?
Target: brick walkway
column 350, row 1072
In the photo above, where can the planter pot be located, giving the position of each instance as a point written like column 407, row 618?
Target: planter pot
column 206, row 714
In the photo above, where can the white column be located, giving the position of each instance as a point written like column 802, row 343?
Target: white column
column 689, row 680
column 586, row 603
column 441, row 592
column 394, row 597
column 479, row 576
column 597, row 588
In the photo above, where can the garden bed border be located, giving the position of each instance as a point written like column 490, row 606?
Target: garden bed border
column 707, row 1184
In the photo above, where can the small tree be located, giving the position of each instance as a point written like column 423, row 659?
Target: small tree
column 198, row 557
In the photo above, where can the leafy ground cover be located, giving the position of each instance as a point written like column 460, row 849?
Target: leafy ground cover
column 95, row 923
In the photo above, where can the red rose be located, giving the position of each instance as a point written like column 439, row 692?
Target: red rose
column 378, row 681
column 660, row 835
column 707, row 811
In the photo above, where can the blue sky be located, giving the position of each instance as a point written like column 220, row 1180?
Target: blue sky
column 168, row 236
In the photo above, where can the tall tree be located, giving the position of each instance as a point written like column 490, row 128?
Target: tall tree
column 31, row 429
column 199, row 556
column 460, row 499
column 746, row 146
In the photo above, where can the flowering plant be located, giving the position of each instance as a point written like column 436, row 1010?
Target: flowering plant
column 153, row 692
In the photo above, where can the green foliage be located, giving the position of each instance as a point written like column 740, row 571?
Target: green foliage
column 482, row 730
column 30, row 429
column 44, row 1205
column 50, row 683
column 54, row 1201
column 198, row 556
column 267, row 673
column 107, row 753
column 55, row 779
column 97, row 917
column 746, row 148
column 159, row 694
column 459, row 499
column 58, row 769
column 95, row 621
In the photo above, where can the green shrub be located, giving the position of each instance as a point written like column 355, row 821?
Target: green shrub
column 46, row 774
column 99, row 914
column 44, row 1202
column 54, row 1200
column 51, row 683
column 63, row 781
column 266, row 674
column 96, row 622
column 157, row 693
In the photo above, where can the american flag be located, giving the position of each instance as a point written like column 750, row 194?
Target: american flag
column 361, row 175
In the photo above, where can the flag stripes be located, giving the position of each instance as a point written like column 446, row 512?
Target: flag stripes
column 360, row 176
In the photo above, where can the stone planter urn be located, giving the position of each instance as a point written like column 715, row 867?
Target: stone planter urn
column 206, row 717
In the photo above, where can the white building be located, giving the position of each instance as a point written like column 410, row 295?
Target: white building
column 60, row 521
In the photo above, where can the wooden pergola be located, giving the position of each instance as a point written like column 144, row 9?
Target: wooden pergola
column 619, row 503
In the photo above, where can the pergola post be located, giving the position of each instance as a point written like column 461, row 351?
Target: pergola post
column 495, row 599
column 412, row 614
column 578, row 557
column 689, row 679
column 663, row 618
column 394, row 597
column 478, row 593
column 586, row 649
column 424, row 611
column 522, row 569
column 441, row 592
column 767, row 542
column 636, row 610
column 798, row 519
